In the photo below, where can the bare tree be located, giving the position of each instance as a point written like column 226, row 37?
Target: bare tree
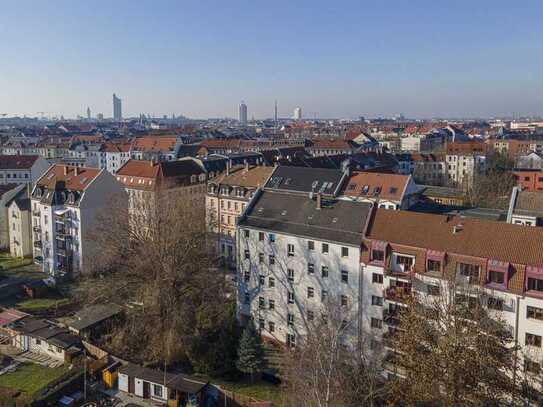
column 450, row 349
column 154, row 257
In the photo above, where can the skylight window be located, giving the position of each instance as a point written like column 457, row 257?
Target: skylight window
column 393, row 190
column 365, row 189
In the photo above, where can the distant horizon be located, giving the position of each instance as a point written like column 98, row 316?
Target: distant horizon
column 335, row 60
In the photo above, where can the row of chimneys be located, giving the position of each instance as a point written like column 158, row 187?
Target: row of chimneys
column 76, row 170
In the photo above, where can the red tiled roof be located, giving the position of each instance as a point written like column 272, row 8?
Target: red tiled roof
column 391, row 186
column 74, row 178
column 158, row 143
column 17, row 162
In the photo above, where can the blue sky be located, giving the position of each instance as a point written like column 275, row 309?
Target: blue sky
column 332, row 58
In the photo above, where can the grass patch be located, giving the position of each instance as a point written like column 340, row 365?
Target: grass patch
column 7, row 262
column 41, row 304
column 30, row 378
column 260, row 390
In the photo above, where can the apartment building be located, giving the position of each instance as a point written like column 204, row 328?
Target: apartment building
column 530, row 180
column 20, row 224
column 429, row 169
column 464, row 161
column 116, row 155
column 65, row 204
column 21, row 169
column 157, row 148
column 147, row 181
column 299, row 260
column 406, row 253
column 226, row 199
column 390, row 191
column 525, row 208
column 7, row 192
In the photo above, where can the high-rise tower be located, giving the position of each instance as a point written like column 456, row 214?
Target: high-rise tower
column 243, row 114
column 117, row 108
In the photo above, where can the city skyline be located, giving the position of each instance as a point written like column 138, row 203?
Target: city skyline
column 423, row 60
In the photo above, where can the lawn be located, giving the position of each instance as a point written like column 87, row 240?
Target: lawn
column 29, row 377
column 8, row 262
column 260, row 390
column 41, row 304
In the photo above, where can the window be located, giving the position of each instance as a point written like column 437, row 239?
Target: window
column 38, row 342
column 261, row 258
column 344, row 301
column 495, row 303
column 377, row 255
column 345, row 276
column 290, row 250
column 290, row 297
column 534, row 313
column 310, row 245
column 271, row 282
column 533, row 340
column 531, row 367
column 405, row 261
column 271, row 326
column 290, row 275
column 290, row 319
column 310, row 315
column 310, row 268
column 272, row 259
column 433, row 265
column 535, row 284
column 377, row 278
column 325, row 248
column 260, row 236
column 247, row 298
column 247, row 276
column 247, row 255
column 261, row 303
column 271, row 238
column 324, row 271
column 469, row 270
column 261, row 323
column 324, row 295
column 291, row 340
column 157, row 390
column 245, row 233
column 376, row 323
column 432, row 289
column 261, row 279
column 496, row 277
column 310, row 292
column 271, row 304
column 378, row 301
column 344, row 252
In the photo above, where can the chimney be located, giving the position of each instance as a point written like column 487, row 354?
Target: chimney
column 246, row 165
column 457, row 228
column 152, row 162
column 65, row 170
column 319, row 198
column 76, row 171
column 228, row 167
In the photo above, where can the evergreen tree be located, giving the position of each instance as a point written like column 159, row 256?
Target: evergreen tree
column 250, row 351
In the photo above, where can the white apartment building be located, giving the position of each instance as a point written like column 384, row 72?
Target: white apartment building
column 65, row 204
column 21, row 169
column 297, row 257
column 116, row 155
column 461, row 169
column 496, row 264
column 19, row 228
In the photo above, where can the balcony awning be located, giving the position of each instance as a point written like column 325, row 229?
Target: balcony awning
column 379, row 245
column 435, row 255
column 496, row 265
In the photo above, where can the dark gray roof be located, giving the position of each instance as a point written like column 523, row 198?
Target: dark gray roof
column 445, row 192
column 338, row 221
column 94, row 314
column 303, row 179
column 180, row 382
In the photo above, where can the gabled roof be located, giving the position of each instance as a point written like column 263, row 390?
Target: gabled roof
column 139, row 168
column 305, row 180
column 376, row 185
column 337, row 221
column 154, row 143
column 180, row 382
column 94, row 314
column 17, row 162
column 253, row 177
column 478, row 238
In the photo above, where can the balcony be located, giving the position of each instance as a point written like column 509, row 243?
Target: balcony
column 36, row 229
column 36, row 213
column 38, row 244
column 398, row 294
column 38, row 260
column 391, row 318
column 62, row 251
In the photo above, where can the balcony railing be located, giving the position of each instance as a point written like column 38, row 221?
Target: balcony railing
column 36, row 213
column 391, row 317
column 36, row 229
column 38, row 244
column 399, row 294
column 38, row 260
